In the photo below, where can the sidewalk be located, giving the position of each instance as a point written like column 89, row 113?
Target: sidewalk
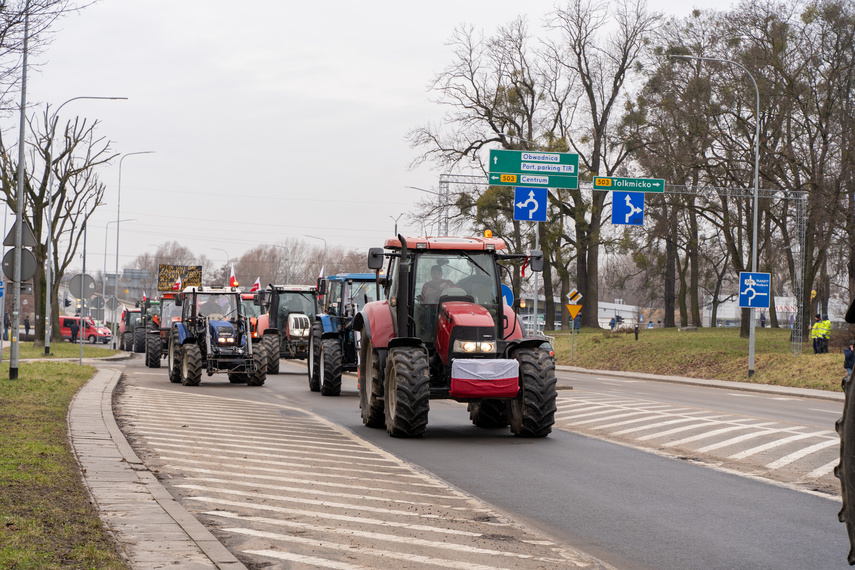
column 153, row 530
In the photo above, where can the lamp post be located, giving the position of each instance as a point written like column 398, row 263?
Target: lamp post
column 104, row 274
column 396, row 222
column 287, row 258
column 228, row 257
column 443, row 198
column 49, row 267
column 751, row 325
column 324, row 265
column 118, row 215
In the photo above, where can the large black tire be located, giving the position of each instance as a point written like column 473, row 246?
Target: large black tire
column 330, row 364
column 152, row 350
column 139, row 338
column 532, row 412
column 127, row 341
column 314, row 357
column 191, row 365
column 259, row 356
column 370, row 388
column 407, row 391
column 271, row 347
column 489, row 413
column 845, row 470
column 173, row 358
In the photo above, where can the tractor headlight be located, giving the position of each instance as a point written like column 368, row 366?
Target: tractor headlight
column 487, row 347
column 225, row 336
column 472, row 346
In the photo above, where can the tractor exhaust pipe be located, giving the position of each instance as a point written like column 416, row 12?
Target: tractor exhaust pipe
column 403, row 290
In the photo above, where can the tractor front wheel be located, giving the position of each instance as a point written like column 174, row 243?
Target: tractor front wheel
column 314, row 357
column 259, row 357
column 139, row 338
column 191, row 365
column 173, row 358
column 127, row 341
column 370, row 388
column 152, row 350
column 331, row 367
column 271, row 347
column 532, row 412
column 407, row 391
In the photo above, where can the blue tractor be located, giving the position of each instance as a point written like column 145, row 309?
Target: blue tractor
column 333, row 344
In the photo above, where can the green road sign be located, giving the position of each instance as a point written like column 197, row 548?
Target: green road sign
column 629, row 184
column 534, row 168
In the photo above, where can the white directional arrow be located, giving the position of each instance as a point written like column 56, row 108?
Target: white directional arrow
column 531, row 199
column 632, row 209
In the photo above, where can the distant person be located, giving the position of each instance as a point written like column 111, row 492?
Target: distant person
column 815, row 332
column 612, row 323
column 432, row 290
column 75, row 328
column 849, row 360
column 826, row 333
column 762, row 320
column 26, row 327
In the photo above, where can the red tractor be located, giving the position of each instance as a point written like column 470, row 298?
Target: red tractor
column 445, row 332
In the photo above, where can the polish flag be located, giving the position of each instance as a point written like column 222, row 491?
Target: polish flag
column 321, row 274
column 143, row 297
column 256, row 286
column 177, row 286
column 232, row 280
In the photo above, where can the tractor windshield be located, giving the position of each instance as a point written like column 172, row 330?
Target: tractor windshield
column 216, row 306
column 362, row 292
column 296, row 302
column 250, row 309
column 467, row 276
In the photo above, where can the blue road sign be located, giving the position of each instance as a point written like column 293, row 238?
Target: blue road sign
column 754, row 290
column 628, row 208
column 2, row 288
column 507, row 295
column 530, row 204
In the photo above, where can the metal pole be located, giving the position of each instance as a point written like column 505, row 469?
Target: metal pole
column 537, row 277
column 82, row 332
column 324, row 265
column 118, row 214
column 751, row 325
column 49, row 267
column 19, row 215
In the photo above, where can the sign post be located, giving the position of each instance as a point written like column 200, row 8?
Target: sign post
column 573, row 308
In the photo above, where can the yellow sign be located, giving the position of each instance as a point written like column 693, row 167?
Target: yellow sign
column 812, row 294
column 573, row 310
column 574, row 296
column 602, row 181
column 508, row 177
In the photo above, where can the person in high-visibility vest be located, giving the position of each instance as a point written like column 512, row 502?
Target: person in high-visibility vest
column 826, row 333
column 816, row 334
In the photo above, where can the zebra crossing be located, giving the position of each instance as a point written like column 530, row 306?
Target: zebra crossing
column 784, row 452
column 283, row 488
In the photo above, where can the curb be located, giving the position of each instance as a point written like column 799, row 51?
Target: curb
column 131, row 502
column 720, row 384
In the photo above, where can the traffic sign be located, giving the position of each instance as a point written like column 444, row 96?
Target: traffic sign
column 573, row 310
column 629, row 184
column 530, row 204
column 2, row 288
column 574, row 296
column 754, row 290
column 507, row 295
column 28, row 239
column 98, row 302
column 523, row 167
column 28, row 265
column 112, row 304
column 628, row 208
column 82, row 286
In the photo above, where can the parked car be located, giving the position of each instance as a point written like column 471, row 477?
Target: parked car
column 90, row 331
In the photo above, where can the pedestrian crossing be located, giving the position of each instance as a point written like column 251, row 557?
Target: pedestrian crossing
column 283, row 488
column 790, row 453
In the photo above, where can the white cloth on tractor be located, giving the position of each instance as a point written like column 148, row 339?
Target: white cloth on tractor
column 484, row 378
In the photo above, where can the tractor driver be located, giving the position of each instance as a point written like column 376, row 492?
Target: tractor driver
column 432, row 290
column 210, row 307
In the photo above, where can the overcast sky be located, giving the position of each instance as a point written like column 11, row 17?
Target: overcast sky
column 269, row 119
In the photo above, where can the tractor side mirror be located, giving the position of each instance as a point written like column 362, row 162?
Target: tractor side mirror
column 322, row 286
column 179, row 300
column 258, row 299
column 375, row 258
column 535, row 261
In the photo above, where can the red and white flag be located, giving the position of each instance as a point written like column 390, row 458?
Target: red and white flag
column 321, row 274
column 177, row 286
column 232, row 280
column 256, row 286
column 143, row 297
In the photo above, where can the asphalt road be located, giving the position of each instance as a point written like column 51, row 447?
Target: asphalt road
column 627, row 506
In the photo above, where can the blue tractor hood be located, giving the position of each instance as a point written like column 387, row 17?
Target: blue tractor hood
column 224, row 329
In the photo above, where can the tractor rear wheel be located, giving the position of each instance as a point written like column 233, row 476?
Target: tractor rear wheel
column 191, row 365
column 314, row 357
column 845, row 470
column 271, row 346
column 127, row 341
column 152, row 350
column 173, row 358
column 407, row 391
column 259, row 357
column 139, row 338
column 489, row 413
column 370, row 388
column 331, row 367
column 532, row 412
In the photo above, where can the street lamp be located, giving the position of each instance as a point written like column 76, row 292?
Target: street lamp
column 118, row 212
column 443, row 201
column 324, row 265
column 396, row 222
column 49, row 267
column 756, row 191
column 228, row 257
column 104, row 274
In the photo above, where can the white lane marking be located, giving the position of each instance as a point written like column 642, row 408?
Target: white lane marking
column 835, row 412
column 179, row 460
column 795, row 456
column 740, row 439
column 823, row 471
column 617, row 380
column 774, row 444
column 287, row 499
column 666, row 423
column 335, row 517
column 714, row 433
column 672, row 431
column 627, row 422
column 571, row 417
column 271, row 424
column 608, row 418
column 312, row 491
column 785, row 399
column 312, row 560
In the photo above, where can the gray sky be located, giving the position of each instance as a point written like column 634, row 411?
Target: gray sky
column 270, row 119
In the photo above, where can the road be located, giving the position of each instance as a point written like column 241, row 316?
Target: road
column 285, row 476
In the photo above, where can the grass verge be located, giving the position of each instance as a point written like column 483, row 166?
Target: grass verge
column 46, row 519
column 710, row 353
column 60, row 349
